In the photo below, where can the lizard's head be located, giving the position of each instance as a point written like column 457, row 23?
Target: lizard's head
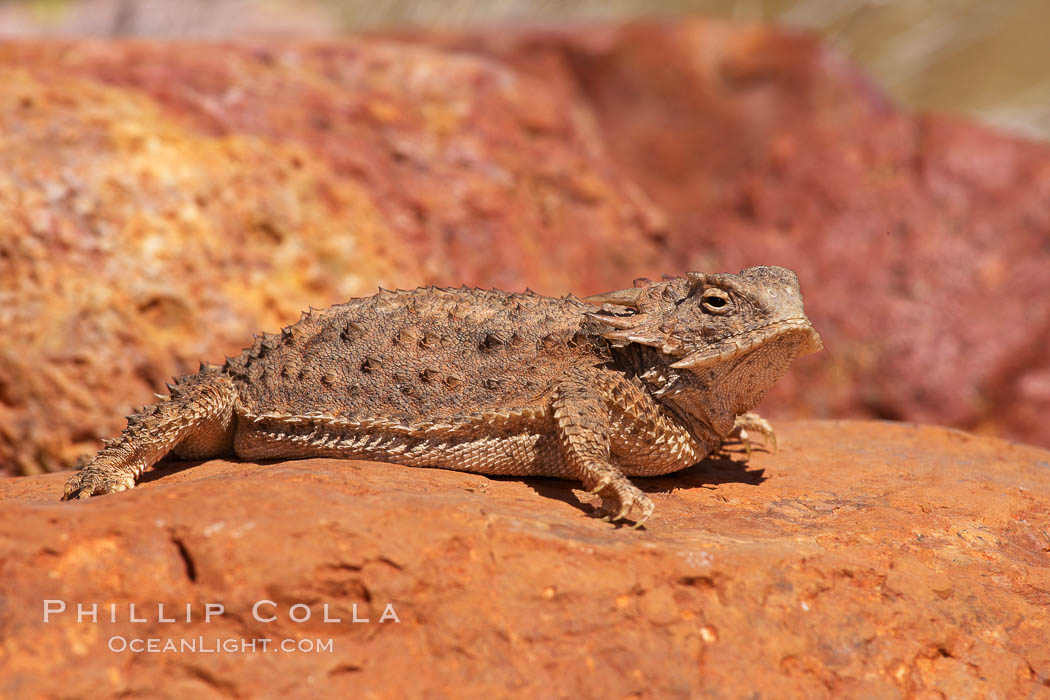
column 716, row 324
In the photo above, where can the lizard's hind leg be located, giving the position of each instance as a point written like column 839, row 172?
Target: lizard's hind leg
column 195, row 422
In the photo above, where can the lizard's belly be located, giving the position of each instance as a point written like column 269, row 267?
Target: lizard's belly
column 524, row 454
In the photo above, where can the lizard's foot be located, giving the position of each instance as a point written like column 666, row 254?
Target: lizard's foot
column 755, row 423
column 90, row 482
column 619, row 498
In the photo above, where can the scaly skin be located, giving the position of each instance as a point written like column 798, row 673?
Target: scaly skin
column 639, row 382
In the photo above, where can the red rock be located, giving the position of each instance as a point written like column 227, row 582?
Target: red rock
column 472, row 164
column 511, row 158
column 921, row 241
column 165, row 201
column 132, row 247
column 864, row 559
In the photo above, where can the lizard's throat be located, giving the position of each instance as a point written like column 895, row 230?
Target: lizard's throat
column 693, row 399
column 710, row 400
column 744, row 383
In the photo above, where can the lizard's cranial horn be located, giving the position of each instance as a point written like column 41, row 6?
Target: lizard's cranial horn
column 622, row 297
column 635, row 336
column 695, row 278
column 696, row 361
column 621, row 322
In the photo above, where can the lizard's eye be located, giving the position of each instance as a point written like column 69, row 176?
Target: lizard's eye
column 715, row 301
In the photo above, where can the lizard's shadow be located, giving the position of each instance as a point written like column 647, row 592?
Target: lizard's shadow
column 167, row 467
column 707, row 473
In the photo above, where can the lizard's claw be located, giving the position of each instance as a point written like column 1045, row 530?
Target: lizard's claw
column 89, row 482
column 619, row 498
column 758, row 424
column 602, row 484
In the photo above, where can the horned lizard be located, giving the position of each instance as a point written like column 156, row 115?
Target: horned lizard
column 638, row 382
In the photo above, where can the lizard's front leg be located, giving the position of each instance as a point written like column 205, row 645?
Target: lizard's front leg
column 197, row 421
column 582, row 418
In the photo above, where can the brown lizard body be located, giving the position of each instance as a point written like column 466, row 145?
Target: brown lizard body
column 639, row 382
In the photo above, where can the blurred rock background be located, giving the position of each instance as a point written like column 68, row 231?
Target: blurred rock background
column 160, row 201
column 987, row 60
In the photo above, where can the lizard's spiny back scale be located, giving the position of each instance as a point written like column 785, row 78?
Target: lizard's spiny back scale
column 416, row 354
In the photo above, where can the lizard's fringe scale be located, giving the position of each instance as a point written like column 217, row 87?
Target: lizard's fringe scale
column 468, row 425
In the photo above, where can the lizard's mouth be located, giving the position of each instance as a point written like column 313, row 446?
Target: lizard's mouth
column 807, row 339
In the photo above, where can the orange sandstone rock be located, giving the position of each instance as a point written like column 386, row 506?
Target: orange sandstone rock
column 864, row 559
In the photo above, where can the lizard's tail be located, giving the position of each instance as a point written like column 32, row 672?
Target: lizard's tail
column 196, row 421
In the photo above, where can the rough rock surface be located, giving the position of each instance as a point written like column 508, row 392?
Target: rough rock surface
column 865, row 559
column 921, row 240
column 160, row 203
column 488, row 175
column 131, row 248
